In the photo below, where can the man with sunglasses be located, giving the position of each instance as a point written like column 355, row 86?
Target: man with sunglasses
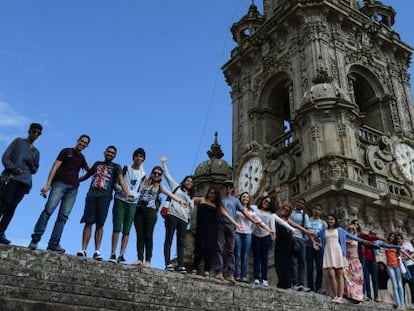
column 104, row 176
column 20, row 161
column 63, row 183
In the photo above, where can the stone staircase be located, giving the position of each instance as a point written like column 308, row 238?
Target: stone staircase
column 46, row 281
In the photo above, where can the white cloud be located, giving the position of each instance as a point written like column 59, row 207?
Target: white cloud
column 11, row 118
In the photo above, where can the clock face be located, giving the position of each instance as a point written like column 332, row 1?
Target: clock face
column 250, row 176
column 404, row 155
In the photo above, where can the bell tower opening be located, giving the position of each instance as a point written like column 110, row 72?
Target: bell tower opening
column 367, row 94
column 280, row 104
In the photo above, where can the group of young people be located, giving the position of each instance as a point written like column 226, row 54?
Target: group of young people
column 227, row 227
column 136, row 196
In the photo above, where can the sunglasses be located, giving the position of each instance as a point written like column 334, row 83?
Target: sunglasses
column 157, row 173
column 36, row 132
column 110, row 152
column 266, row 201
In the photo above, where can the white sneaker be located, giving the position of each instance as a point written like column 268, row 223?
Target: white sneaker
column 169, row 267
column 256, row 282
column 305, row 289
column 296, row 287
column 97, row 256
column 265, row 283
column 81, row 253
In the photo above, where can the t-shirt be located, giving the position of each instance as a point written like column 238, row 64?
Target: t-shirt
column 316, row 225
column 68, row 171
column 132, row 179
column 104, row 175
column 232, row 205
column 302, row 219
column 410, row 249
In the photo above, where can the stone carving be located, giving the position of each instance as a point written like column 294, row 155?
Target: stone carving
column 278, row 169
column 315, row 132
column 342, row 130
column 332, row 169
column 378, row 157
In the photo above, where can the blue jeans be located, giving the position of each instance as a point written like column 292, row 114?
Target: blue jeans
column 66, row 195
column 299, row 262
column 260, row 256
column 371, row 269
column 241, row 254
column 395, row 275
column 314, row 256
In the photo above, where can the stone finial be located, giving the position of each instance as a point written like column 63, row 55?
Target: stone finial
column 322, row 76
column 215, row 151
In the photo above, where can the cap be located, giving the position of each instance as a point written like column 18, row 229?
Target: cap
column 228, row 182
column 139, row 151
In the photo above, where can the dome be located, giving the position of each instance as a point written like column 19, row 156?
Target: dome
column 215, row 168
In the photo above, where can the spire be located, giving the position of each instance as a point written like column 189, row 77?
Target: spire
column 215, row 151
column 248, row 24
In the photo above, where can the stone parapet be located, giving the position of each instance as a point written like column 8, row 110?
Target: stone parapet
column 41, row 280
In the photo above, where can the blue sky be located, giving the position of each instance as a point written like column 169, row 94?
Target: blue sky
column 129, row 73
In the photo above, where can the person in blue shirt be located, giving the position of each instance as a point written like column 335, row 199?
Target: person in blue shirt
column 226, row 234
column 299, row 255
column 20, row 161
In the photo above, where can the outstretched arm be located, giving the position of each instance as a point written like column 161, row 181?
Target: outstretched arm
column 171, row 182
column 173, row 196
column 278, row 200
column 224, row 212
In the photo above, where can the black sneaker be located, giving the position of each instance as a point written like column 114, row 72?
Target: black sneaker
column 55, row 248
column 112, row 258
column 3, row 239
column 33, row 245
column 121, row 259
column 182, row 270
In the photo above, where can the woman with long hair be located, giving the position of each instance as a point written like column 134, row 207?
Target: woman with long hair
column 393, row 268
column 205, row 245
column 333, row 243
column 244, row 237
column 354, row 274
column 146, row 213
column 177, row 217
column 262, row 239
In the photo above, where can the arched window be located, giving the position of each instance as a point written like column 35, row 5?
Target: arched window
column 368, row 93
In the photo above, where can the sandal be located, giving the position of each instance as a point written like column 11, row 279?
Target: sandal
column 139, row 264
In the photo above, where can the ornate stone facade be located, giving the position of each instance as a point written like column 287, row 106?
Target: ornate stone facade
column 321, row 94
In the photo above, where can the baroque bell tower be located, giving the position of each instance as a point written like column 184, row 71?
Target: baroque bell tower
column 322, row 105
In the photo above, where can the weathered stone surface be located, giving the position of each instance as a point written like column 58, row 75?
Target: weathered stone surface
column 45, row 281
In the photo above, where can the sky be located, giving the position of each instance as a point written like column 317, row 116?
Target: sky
column 127, row 73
